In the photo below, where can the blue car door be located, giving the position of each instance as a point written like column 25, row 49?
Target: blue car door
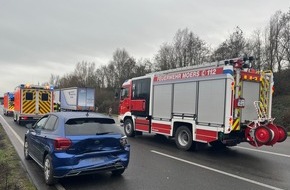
column 35, row 139
column 46, row 137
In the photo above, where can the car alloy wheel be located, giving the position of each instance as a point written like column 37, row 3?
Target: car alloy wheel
column 26, row 151
column 48, row 171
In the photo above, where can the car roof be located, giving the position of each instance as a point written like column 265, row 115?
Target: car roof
column 66, row 115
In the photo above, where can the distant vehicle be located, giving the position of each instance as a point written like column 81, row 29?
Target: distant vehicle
column 8, row 101
column 31, row 102
column 76, row 143
column 1, row 100
column 74, row 99
column 222, row 103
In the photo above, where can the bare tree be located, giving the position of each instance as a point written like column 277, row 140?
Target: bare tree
column 189, row 48
column 285, row 36
column 234, row 46
column 274, row 51
column 256, row 49
column 54, row 80
column 121, row 67
column 165, row 58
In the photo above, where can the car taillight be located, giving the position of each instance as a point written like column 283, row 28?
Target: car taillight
column 62, row 143
column 123, row 141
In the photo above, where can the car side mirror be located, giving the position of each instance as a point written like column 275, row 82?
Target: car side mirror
column 29, row 126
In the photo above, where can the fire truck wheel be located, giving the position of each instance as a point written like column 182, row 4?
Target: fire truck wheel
column 183, row 138
column 20, row 122
column 128, row 128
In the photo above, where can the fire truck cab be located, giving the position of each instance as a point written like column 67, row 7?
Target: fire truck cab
column 221, row 103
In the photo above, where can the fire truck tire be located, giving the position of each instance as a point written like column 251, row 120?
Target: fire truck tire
column 183, row 138
column 15, row 117
column 19, row 122
column 129, row 128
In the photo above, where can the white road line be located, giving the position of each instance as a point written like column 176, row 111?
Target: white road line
column 9, row 127
column 58, row 186
column 217, row 171
column 263, row 151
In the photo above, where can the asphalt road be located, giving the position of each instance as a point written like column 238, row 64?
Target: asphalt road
column 156, row 163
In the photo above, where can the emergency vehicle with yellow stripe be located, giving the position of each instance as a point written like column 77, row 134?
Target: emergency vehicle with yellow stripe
column 31, row 102
column 222, row 103
column 8, row 101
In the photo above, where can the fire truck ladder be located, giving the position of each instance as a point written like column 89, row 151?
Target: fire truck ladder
column 262, row 115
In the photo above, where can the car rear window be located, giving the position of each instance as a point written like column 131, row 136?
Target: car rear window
column 91, row 126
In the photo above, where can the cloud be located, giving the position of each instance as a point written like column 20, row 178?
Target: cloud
column 40, row 38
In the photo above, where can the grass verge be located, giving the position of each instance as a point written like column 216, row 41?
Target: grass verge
column 12, row 175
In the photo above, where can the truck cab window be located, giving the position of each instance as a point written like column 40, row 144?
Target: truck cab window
column 141, row 89
column 124, row 93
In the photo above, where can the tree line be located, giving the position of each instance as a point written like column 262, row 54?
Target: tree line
column 270, row 46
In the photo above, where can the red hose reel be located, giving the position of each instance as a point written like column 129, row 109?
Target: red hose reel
column 265, row 134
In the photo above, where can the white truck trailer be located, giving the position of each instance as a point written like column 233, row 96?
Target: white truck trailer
column 75, row 99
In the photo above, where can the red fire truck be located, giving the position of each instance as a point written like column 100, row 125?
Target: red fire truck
column 220, row 103
column 8, row 106
column 31, row 102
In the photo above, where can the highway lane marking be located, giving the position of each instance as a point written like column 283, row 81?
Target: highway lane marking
column 58, row 186
column 217, row 171
column 263, row 151
column 9, row 127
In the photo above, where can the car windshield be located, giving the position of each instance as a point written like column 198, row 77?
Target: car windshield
column 90, row 126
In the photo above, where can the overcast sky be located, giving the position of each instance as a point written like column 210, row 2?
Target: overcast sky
column 39, row 38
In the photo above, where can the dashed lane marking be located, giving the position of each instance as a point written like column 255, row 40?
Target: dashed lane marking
column 217, row 171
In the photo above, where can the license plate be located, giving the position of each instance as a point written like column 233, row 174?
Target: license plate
column 97, row 159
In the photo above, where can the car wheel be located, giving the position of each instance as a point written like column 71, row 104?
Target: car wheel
column 20, row 122
column 48, row 171
column 183, row 138
column 26, row 150
column 118, row 172
column 128, row 128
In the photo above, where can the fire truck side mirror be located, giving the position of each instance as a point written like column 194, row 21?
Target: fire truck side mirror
column 116, row 94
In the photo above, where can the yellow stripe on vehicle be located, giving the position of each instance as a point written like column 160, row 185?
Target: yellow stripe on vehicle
column 236, row 124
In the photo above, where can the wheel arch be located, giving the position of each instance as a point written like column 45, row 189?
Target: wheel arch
column 129, row 117
column 44, row 155
column 178, row 124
